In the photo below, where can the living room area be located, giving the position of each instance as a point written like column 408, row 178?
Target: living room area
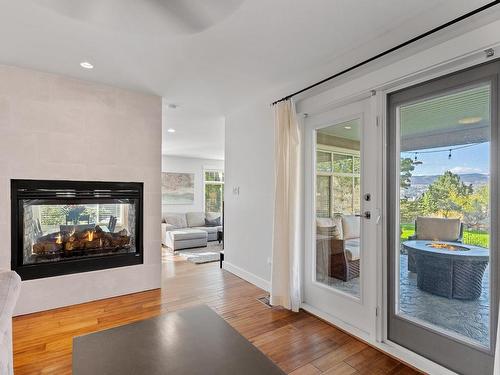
column 249, row 187
column 192, row 184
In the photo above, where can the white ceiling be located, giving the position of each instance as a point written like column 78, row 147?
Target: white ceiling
column 210, row 56
column 210, row 60
column 197, row 134
column 147, row 17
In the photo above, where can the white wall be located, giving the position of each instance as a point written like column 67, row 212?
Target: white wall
column 189, row 165
column 249, row 215
column 53, row 127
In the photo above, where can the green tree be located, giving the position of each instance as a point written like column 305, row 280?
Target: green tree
column 476, row 208
column 409, row 210
column 446, row 195
column 406, row 168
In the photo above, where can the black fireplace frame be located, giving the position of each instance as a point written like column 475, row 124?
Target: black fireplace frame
column 72, row 192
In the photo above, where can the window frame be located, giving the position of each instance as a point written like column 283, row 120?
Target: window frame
column 339, row 151
column 205, row 183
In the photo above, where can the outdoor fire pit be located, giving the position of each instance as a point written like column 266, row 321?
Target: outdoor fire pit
column 447, row 246
column 448, row 269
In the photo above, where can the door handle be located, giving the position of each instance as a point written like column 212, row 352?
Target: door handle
column 366, row 215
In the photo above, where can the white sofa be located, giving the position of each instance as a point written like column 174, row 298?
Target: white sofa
column 10, row 284
column 184, row 231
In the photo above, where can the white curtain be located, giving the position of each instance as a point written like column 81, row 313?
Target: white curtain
column 287, row 233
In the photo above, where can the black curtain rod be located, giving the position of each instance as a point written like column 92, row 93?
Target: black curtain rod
column 399, row 46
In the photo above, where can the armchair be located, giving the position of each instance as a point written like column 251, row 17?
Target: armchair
column 337, row 247
column 435, row 229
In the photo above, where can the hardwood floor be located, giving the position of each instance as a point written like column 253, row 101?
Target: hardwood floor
column 298, row 342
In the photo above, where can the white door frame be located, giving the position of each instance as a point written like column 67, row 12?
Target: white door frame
column 355, row 314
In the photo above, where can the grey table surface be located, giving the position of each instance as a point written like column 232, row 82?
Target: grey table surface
column 193, row 341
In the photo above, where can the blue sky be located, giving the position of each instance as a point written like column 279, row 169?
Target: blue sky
column 474, row 159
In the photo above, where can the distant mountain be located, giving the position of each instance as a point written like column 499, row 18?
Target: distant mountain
column 467, row 178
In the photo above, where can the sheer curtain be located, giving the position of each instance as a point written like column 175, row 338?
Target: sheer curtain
column 287, row 245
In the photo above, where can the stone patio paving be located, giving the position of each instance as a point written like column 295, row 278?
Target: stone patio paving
column 467, row 318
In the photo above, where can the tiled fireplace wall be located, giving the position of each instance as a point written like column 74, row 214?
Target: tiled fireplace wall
column 54, row 127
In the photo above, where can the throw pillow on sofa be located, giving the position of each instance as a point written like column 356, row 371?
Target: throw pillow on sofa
column 212, row 223
column 213, row 215
column 177, row 220
column 195, row 219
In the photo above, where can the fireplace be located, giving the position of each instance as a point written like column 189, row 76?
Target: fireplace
column 62, row 227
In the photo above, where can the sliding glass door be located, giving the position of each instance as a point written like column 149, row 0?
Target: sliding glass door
column 443, row 218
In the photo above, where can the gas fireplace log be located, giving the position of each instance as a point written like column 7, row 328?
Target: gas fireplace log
column 47, row 247
column 93, row 244
column 49, row 243
column 51, row 237
column 88, row 240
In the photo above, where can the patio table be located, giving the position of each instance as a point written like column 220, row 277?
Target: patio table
column 453, row 271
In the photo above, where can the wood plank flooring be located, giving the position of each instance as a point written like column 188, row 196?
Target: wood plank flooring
column 299, row 343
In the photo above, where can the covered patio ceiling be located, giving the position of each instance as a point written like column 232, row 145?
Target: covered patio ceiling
column 446, row 120
column 452, row 119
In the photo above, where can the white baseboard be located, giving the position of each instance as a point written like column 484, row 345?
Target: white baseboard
column 362, row 335
column 392, row 349
column 247, row 276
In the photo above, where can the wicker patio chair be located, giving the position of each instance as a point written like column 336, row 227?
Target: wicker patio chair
column 435, row 229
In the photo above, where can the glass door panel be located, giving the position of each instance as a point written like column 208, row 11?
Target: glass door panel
column 444, row 213
column 442, row 262
column 338, row 233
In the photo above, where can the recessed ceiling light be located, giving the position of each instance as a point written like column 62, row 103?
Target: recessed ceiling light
column 469, row 120
column 171, row 130
column 86, row 65
column 347, row 127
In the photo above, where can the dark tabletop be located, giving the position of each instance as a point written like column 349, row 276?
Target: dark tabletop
column 193, row 341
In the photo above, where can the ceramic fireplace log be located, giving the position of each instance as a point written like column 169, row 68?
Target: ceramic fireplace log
column 89, row 240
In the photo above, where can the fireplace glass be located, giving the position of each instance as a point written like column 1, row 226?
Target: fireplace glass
column 62, row 227
column 53, row 232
